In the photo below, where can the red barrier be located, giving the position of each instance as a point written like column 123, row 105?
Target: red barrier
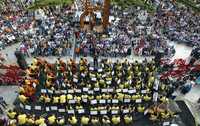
column 13, row 75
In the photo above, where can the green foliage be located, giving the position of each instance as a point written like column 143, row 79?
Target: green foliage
column 2, row 4
column 189, row 3
column 141, row 3
column 45, row 3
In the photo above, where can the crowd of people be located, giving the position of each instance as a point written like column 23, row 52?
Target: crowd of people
column 110, row 93
column 49, row 35
column 113, row 46
column 141, row 33
column 40, row 34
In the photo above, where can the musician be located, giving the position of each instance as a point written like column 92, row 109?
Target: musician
column 85, row 120
column 52, row 119
column 106, row 120
column 73, row 120
column 31, row 120
column 140, row 108
column 56, row 100
column 23, row 98
column 60, row 121
column 11, row 114
column 40, row 121
column 128, row 119
column 22, row 119
column 63, row 99
column 95, row 120
column 116, row 119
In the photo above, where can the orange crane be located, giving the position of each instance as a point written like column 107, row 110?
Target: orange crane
column 89, row 10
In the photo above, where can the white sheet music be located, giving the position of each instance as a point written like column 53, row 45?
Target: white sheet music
column 155, row 97
column 108, row 82
column 166, row 123
column 104, row 90
column 114, row 112
column 144, row 91
column 50, row 91
column 27, row 107
column 54, row 108
column 94, row 79
column 64, row 91
column 125, row 111
column 85, row 89
column 38, row 108
column 75, row 80
column 110, row 89
column 104, row 75
column 103, row 112
column 100, row 70
column 119, row 81
column 127, row 100
column 78, row 91
column 81, row 111
column 82, row 74
column 96, row 89
column 138, row 100
column 93, row 102
column 57, row 92
column 145, row 112
column 115, row 101
column 43, row 91
column 93, row 112
column 125, row 90
column 72, row 101
column 91, row 68
column 47, row 109
column 70, row 111
column 70, row 91
column 90, row 92
column 156, row 84
column 132, row 91
column 102, row 101
column 61, row 110
column 85, row 100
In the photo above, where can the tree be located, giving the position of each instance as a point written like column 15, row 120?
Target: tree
column 2, row 5
column 189, row 3
column 46, row 3
column 145, row 4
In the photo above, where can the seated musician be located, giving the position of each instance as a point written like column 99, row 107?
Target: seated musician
column 116, row 119
column 164, row 99
column 47, row 99
column 22, row 119
column 11, row 114
column 40, row 121
column 56, row 100
column 165, row 114
column 30, row 120
column 23, row 98
column 146, row 98
column 60, row 121
column 95, row 120
column 52, row 119
column 140, row 108
column 63, row 99
column 72, row 120
column 85, row 120
column 106, row 120
column 128, row 119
